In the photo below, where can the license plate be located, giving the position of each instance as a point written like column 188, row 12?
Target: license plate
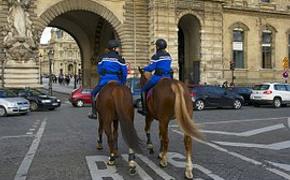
column 257, row 97
column 23, row 108
column 54, row 104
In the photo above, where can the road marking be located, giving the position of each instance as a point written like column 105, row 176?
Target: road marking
column 26, row 163
column 140, row 171
column 99, row 174
column 247, row 133
column 29, row 133
column 32, row 129
column 181, row 164
column 242, row 157
column 20, row 136
column 155, row 168
column 274, row 146
column 280, row 165
column 237, row 121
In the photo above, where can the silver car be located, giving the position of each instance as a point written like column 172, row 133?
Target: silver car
column 11, row 104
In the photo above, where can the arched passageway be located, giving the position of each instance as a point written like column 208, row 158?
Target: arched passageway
column 189, row 48
column 91, row 26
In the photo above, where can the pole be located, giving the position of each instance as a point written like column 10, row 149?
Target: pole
column 2, row 57
column 233, row 77
column 75, row 76
column 50, row 73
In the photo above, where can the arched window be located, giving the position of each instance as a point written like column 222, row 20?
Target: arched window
column 238, row 47
column 267, row 49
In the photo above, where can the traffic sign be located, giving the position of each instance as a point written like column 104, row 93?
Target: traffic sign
column 285, row 74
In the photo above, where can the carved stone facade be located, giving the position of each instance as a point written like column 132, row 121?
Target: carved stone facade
column 203, row 35
column 66, row 58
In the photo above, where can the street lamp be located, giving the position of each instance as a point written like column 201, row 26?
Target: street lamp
column 40, row 64
column 50, row 56
column 2, row 58
column 75, row 74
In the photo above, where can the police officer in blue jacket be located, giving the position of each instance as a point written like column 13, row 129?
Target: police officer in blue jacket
column 111, row 67
column 161, row 65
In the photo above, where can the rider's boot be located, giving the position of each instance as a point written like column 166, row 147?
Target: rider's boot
column 93, row 114
column 143, row 111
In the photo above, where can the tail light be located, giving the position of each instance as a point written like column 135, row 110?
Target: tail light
column 267, row 92
column 193, row 94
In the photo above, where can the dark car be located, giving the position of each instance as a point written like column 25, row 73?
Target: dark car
column 243, row 91
column 80, row 96
column 134, row 85
column 215, row 96
column 38, row 99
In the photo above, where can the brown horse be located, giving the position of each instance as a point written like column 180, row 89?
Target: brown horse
column 114, row 104
column 170, row 99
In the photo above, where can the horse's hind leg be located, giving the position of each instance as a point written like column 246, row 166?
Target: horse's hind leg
column 132, row 163
column 163, row 133
column 148, row 122
column 115, row 136
column 100, row 134
column 108, row 131
column 188, row 150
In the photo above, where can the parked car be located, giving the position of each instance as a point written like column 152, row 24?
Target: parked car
column 38, row 99
column 243, row 91
column 276, row 94
column 215, row 96
column 80, row 96
column 134, row 85
column 11, row 104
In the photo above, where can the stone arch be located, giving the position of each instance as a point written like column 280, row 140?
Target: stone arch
column 269, row 27
column 239, row 25
column 68, row 5
column 190, row 12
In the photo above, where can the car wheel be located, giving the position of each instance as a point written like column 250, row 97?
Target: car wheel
column 237, row 104
column 3, row 112
column 199, row 105
column 33, row 106
column 80, row 103
column 138, row 103
column 277, row 102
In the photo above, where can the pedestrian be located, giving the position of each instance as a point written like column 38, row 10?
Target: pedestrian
column 111, row 66
column 160, row 63
column 225, row 84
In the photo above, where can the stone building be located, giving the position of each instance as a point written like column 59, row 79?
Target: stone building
column 203, row 36
column 66, row 59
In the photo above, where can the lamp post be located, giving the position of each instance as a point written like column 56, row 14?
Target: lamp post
column 2, row 58
column 40, row 64
column 50, row 56
column 75, row 75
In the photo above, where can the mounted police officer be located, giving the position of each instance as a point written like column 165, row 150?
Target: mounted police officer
column 111, row 67
column 161, row 65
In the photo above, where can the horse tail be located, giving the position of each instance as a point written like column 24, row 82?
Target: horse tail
column 183, row 118
column 125, row 113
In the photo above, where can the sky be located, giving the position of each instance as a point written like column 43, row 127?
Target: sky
column 45, row 37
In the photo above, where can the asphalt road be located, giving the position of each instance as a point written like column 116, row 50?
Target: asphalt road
column 251, row 143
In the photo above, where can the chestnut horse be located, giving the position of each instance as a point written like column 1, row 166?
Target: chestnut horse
column 170, row 99
column 114, row 104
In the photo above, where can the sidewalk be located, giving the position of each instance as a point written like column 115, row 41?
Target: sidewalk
column 59, row 88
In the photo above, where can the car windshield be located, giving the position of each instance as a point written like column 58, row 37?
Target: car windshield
column 36, row 92
column 6, row 94
column 261, row 87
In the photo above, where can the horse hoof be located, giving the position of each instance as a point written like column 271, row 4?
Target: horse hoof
column 132, row 171
column 111, row 163
column 188, row 175
column 99, row 146
column 163, row 164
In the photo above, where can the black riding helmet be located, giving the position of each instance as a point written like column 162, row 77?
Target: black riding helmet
column 161, row 44
column 113, row 44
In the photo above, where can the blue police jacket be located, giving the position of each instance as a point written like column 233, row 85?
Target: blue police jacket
column 160, row 63
column 112, row 67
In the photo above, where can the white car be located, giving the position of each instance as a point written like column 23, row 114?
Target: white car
column 277, row 94
column 11, row 104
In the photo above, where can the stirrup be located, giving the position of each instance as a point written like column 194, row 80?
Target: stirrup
column 142, row 112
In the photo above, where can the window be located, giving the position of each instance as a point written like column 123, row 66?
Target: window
column 238, row 47
column 267, row 49
column 265, row 1
column 280, row 87
column 59, row 34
